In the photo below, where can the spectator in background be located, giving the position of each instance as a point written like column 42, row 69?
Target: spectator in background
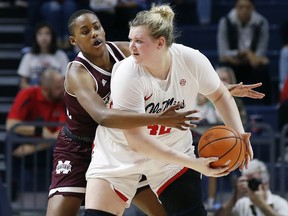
column 252, row 195
column 242, row 40
column 38, row 103
column 43, row 54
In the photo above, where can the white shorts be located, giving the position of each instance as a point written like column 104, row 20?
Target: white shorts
column 123, row 168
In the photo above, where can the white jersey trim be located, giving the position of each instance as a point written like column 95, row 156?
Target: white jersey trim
column 67, row 189
column 112, row 53
column 76, row 62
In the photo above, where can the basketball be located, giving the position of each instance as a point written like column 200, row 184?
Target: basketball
column 225, row 143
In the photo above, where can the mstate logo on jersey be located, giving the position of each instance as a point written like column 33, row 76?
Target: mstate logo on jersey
column 64, row 168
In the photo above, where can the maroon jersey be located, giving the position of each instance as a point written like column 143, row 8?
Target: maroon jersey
column 79, row 122
column 72, row 153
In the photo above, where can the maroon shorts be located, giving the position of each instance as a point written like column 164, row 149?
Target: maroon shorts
column 71, row 159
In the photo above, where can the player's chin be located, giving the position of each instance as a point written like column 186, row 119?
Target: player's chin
column 136, row 58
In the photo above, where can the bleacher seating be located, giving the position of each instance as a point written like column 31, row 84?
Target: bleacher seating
column 12, row 21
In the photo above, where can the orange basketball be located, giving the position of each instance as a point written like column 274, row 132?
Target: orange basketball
column 225, row 143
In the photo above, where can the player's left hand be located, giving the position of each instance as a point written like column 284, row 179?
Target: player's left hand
column 180, row 120
column 249, row 151
column 241, row 90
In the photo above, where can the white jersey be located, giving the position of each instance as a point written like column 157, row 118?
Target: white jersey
column 135, row 89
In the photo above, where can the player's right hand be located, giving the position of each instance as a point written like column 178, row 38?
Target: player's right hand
column 249, row 151
column 203, row 166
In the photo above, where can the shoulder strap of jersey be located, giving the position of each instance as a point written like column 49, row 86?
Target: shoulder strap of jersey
column 117, row 52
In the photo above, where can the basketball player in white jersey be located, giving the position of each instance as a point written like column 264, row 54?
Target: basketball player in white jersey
column 159, row 74
column 87, row 91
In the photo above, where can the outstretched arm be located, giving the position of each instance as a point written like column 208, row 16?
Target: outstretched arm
column 81, row 84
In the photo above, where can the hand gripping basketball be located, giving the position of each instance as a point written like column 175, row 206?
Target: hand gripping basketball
column 225, row 143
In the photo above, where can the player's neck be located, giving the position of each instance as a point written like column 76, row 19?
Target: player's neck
column 161, row 67
column 103, row 61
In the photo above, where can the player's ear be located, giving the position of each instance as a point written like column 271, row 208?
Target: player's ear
column 72, row 40
column 161, row 42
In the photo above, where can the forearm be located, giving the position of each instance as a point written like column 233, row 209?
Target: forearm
column 125, row 120
column 42, row 146
column 152, row 148
column 25, row 130
column 113, row 118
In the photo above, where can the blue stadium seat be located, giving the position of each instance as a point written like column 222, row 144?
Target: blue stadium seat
column 198, row 37
column 275, row 41
column 268, row 114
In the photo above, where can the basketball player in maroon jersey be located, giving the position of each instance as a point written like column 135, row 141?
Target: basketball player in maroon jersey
column 87, row 89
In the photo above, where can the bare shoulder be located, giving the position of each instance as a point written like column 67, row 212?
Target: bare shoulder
column 124, row 47
column 75, row 70
column 78, row 77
